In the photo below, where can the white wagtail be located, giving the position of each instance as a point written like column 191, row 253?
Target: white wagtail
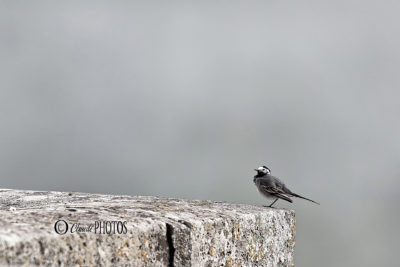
column 272, row 188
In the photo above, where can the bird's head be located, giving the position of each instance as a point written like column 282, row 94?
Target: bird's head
column 262, row 170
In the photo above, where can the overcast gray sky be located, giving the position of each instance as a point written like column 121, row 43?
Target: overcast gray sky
column 185, row 99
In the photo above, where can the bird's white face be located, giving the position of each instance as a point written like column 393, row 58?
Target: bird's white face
column 263, row 169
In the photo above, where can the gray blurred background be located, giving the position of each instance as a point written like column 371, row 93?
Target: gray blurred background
column 185, row 99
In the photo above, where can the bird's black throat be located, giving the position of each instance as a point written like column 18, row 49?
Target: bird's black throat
column 259, row 174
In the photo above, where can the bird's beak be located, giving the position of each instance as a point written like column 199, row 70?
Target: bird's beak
column 256, row 170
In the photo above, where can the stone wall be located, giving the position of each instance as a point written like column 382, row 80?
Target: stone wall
column 142, row 231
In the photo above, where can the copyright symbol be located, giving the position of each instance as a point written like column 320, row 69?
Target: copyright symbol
column 61, row 227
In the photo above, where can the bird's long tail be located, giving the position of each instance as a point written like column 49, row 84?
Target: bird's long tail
column 296, row 195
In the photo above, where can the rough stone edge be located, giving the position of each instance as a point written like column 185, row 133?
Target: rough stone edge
column 175, row 229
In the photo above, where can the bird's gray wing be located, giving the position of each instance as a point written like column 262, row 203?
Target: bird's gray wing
column 278, row 183
column 274, row 189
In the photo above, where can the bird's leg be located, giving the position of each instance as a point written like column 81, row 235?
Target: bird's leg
column 273, row 203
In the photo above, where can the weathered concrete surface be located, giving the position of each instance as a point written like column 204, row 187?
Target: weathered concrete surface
column 160, row 231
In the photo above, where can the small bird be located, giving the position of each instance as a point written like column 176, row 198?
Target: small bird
column 272, row 188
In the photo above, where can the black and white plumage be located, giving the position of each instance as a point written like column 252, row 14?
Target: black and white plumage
column 272, row 187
